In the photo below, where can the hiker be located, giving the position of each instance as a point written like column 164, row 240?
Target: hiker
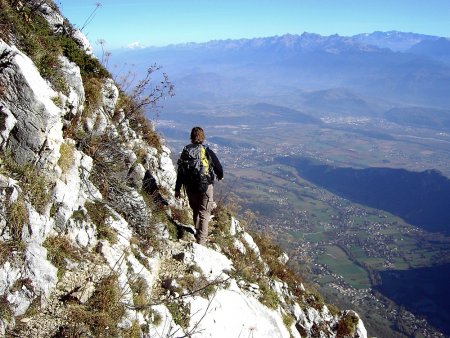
column 197, row 167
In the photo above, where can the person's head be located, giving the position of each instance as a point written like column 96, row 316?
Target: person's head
column 197, row 135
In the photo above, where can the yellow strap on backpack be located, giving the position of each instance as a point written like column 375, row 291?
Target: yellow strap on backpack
column 204, row 159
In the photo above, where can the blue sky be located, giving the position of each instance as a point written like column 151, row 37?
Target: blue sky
column 123, row 23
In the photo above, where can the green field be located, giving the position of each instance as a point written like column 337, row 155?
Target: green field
column 338, row 262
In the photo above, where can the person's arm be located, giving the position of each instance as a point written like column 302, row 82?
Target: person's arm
column 178, row 184
column 180, row 180
column 217, row 166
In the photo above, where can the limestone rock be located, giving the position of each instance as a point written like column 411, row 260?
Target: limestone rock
column 74, row 101
column 37, row 132
column 53, row 17
column 222, row 320
column 133, row 208
column 136, row 176
column 213, row 265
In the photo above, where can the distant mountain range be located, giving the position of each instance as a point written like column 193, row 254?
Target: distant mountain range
column 396, row 41
column 394, row 67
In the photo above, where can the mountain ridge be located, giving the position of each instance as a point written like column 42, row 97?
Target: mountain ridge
column 288, row 63
column 377, row 38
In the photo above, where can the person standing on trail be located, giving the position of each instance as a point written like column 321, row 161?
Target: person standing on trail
column 197, row 167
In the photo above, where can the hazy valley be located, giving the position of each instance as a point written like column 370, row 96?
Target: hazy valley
column 342, row 146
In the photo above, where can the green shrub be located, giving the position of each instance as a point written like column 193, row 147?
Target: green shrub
column 149, row 135
column 37, row 188
column 22, row 25
column 57, row 101
column 199, row 286
column 79, row 216
column 32, row 34
column 158, row 215
column 180, row 313
column 5, row 310
column 221, row 220
column 314, row 299
column 89, row 65
column 268, row 297
column 181, row 215
column 334, row 310
column 156, row 317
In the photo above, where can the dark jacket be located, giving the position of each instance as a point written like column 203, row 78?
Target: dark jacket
column 214, row 162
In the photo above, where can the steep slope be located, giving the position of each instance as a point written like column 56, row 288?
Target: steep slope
column 92, row 241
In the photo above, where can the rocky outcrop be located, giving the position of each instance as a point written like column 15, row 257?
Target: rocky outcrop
column 89, row 234
column 32, row 124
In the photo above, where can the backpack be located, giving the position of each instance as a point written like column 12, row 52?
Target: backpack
column 196, row 168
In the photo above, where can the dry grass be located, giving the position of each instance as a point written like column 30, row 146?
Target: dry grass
column 346, row 326
column 92, row 88
column 100, row 316
column 16, row 219
column 181, row 313
column 33, row 182
column 99, row 214
column 181, row 215
column 5, row 310
column 141, row 297
column 59, row 250
column 66, row 159
column 270, row 253
column 133, row 332
column 8, row 248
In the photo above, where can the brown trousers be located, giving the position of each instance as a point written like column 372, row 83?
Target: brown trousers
column 201, row 204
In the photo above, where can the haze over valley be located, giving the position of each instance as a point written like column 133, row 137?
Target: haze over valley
column 342, row 146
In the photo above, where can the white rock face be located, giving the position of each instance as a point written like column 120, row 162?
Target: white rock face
column 72, row 77
column 214, row 265
column 251, row 243
column 167, row 327
column 166, row 175
column 73, row 189
column 231, row 313
column 361, row 331
column 100, row 120
column 56, row 22
column 40, row 271
column 136, row 176
column 110, row 96
column 54, row 19
column 83, row 41
column 8, row 275
column 37, row 132
column 235, row 227
column 9, row 121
